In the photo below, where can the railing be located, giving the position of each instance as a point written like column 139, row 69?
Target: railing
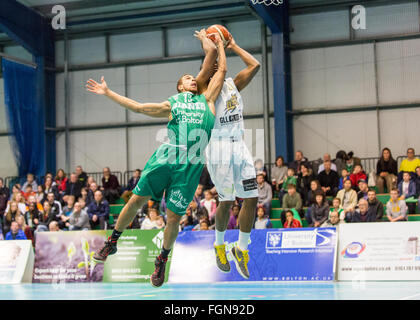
column 369, row 164
column 97, row 176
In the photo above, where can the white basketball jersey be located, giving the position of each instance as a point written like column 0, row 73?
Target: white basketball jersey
column 229, row 120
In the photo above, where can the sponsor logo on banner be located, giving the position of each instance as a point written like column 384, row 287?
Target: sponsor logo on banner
column 158, row 240
column 275, row 255
column 276, row 240
column 353, row 250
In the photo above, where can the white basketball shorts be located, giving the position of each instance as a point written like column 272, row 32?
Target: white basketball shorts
column 231, row 168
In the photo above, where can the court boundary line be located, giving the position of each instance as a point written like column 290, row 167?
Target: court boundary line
column 128, row 294
column 409, row 297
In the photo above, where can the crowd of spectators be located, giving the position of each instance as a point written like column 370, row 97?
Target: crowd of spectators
column 327, row 193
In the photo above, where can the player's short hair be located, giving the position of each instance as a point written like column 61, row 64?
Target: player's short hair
column 179, row 82
column 291, row 186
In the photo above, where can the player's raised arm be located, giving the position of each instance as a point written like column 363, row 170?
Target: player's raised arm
column 158, row 110
column 252, row 65
column 216, row 82
column 210, row 52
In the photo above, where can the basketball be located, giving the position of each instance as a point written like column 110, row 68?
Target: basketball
column 223, row 32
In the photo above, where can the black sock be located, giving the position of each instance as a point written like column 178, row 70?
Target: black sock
column 115, row 235
column 165, row 253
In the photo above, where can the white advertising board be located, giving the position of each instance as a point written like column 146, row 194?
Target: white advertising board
column 16, row 261
column 379, row 251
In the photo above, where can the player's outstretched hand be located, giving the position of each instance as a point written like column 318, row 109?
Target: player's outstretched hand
column 200, row 34
column 98, row 88
column 231, row 42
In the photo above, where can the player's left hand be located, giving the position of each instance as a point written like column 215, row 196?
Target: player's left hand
column 201, row 35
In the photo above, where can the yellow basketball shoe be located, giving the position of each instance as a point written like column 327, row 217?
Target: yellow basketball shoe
column 221, row 258
column 241, row 259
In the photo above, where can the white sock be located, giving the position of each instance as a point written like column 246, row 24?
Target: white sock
column 243, row 240
column 220, row 237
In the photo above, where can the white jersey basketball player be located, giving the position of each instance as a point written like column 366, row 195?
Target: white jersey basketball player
column 230, row 165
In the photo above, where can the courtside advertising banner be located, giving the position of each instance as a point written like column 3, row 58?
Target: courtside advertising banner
column 68, row 256
column 135, row 258
column 16, row 261
column 275, row 255
column 379, row 251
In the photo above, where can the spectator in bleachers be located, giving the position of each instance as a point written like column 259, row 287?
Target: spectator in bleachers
column 18, row 198
column 50, row 175
column 340, row 160
column 40, row 195
column 375, row 205
column 291, row 222
column 291, row 200
column 33, row 216
column 53, row 226
column 352, row 161
column 79, row 219
column 73, row 187
column 299, row 160
column 363, row 190
column 25, row 228
column 265, row 193
column 32, row 199
column 131, row 185
column 210, row 204
column 328, row 179
column 15, row 233
column 205, row 180
column 333, row 221
column 198, row 195
column 98, row 211
column 357, row 175
column 303, row 183
column 61, row 181
column 262, row 221
column 15, row 190
column 204, row 225
column 91, row 193
column 110, row 186
column 315, row 187
column 407, row 189
column 386, row 171
column 4, row 190
column 362, row 213
column 345, row 175
column 11, row 214
column 50, row 187
column 408, row 165
column 67, row 210
column 89, row 181
column 278, row 173
column 260, row 168
column 55, row 205
column 46, row 217
column 336, row 206
column 69, row 204
column 396, row 208
column 327, row 157
column 29, row 192
column 30, row 179
column 348, row 197
column 81, row 176
column 319, row 211
column 187, row 221
column 417, row 181
column 4, row 197
column 83, row 194
column 290, row 178
column 234, row 214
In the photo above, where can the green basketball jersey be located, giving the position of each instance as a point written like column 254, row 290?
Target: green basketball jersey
column 191, row 124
